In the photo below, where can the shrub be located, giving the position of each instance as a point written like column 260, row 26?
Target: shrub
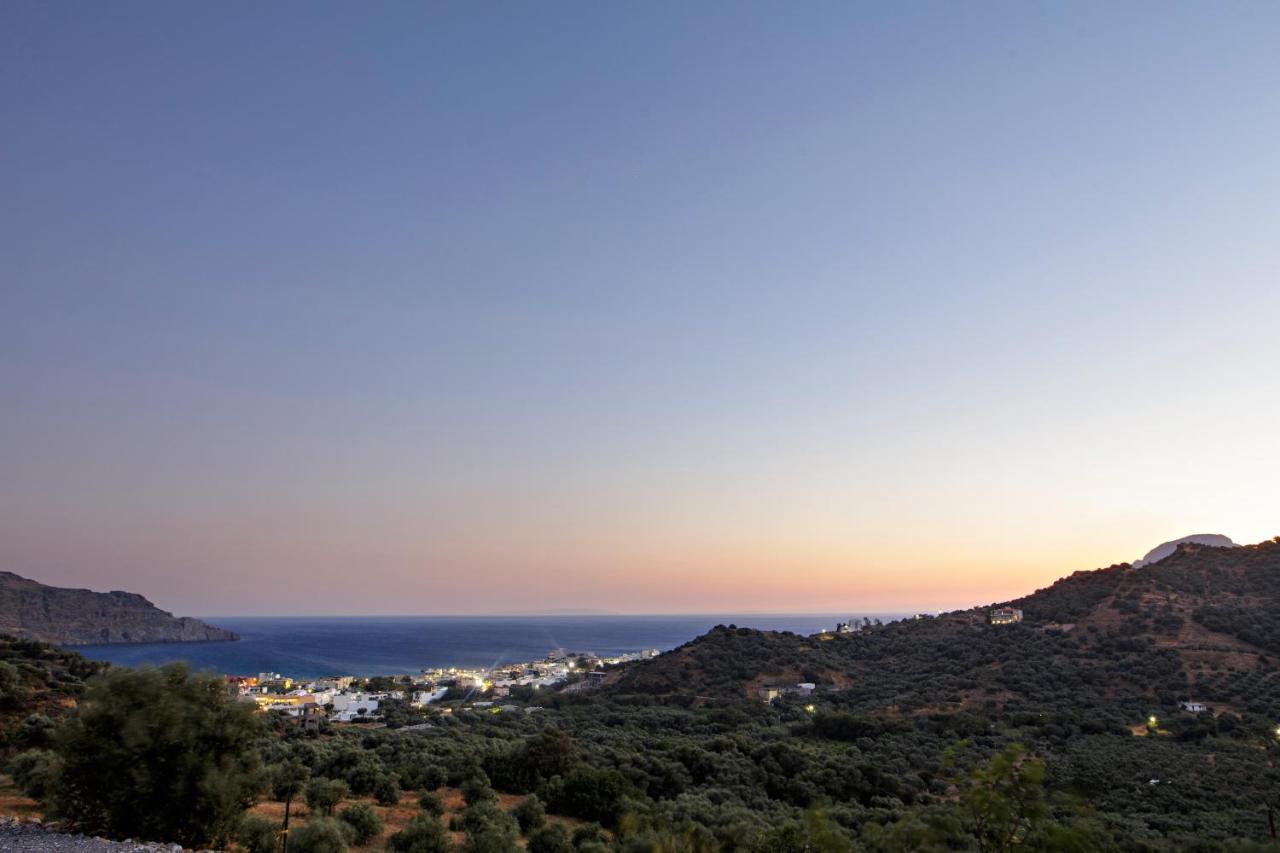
column 489, row 829
column 34, row 732
column 432, row 776
column 430, row 802
column 476, row 789
column 257, row 834
column 422, row 834
column 363, row 820
column 320, row 835
column 550, row 839
column 30, row 772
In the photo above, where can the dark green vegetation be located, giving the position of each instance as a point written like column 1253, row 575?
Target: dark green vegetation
column 155, row 754
column 1061, row 733
column 37, row 679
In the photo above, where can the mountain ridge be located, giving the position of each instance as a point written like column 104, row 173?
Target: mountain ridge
column 30, row 610
column 1197, row 625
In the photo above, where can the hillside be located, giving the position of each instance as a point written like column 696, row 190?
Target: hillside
column 30, row 610
column 1202, row 624
column 38, row 679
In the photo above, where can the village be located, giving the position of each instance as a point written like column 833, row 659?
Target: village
column 355, row 699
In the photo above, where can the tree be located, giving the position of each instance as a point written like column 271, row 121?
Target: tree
column 159, row 754
column 530, row 814
column 1003, row 803
column 816, row 834
column 476, row 789
column 287, row 782
column 422, row 834
column 386, row 791
column 321, row 835
column 594, row 794
column 489, row 829
column 363, row 820
column 323, row 795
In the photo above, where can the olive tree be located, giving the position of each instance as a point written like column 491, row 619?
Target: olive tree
column 159, row 754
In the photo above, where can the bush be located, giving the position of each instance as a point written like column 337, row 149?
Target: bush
column 430, row 802
column 363, row 820
column 550, row 839
column 588, row 834
column 257, row 834
column 158, row 754
column 34, row 732
column 489, row 829
column 530, row 814
column 30, row 772
column 432, row 776
column 422, row 834
column 320, row 835
column 12, row 688
column 593, row 794
column 476, row 789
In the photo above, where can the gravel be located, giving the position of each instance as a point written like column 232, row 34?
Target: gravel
column 24, row 835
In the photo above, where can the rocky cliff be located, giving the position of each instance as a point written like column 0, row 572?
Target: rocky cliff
column 1158, row 553
column 31, row 610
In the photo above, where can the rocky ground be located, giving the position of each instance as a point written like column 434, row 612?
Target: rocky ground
column 31, row 835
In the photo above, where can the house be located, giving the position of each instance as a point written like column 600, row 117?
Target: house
column 1193, row 707
column 770, row 692
column 294, row 705
column 355, row 706
column 1005, row 616
column 312, row 718
column 426, row 697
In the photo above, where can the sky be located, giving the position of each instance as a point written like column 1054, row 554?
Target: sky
column 647, row 307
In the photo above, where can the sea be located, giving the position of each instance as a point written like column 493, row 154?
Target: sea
column 310, row 647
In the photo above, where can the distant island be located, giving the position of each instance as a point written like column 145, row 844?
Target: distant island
column 76, row 617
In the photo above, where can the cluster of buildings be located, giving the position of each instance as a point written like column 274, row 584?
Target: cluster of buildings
column 346, row 699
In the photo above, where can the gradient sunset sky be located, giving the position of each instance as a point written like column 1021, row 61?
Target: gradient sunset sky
column 647, row 307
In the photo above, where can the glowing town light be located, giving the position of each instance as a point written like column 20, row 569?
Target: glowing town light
column 1151, row 721
column 810, row 708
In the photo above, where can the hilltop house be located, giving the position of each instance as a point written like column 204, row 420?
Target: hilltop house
column 1005, row 616
column 772, row 691
column 1193, row 707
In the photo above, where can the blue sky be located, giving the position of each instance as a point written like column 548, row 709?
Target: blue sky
column 646, row 306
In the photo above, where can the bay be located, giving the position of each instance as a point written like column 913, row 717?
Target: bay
column 309, row 647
